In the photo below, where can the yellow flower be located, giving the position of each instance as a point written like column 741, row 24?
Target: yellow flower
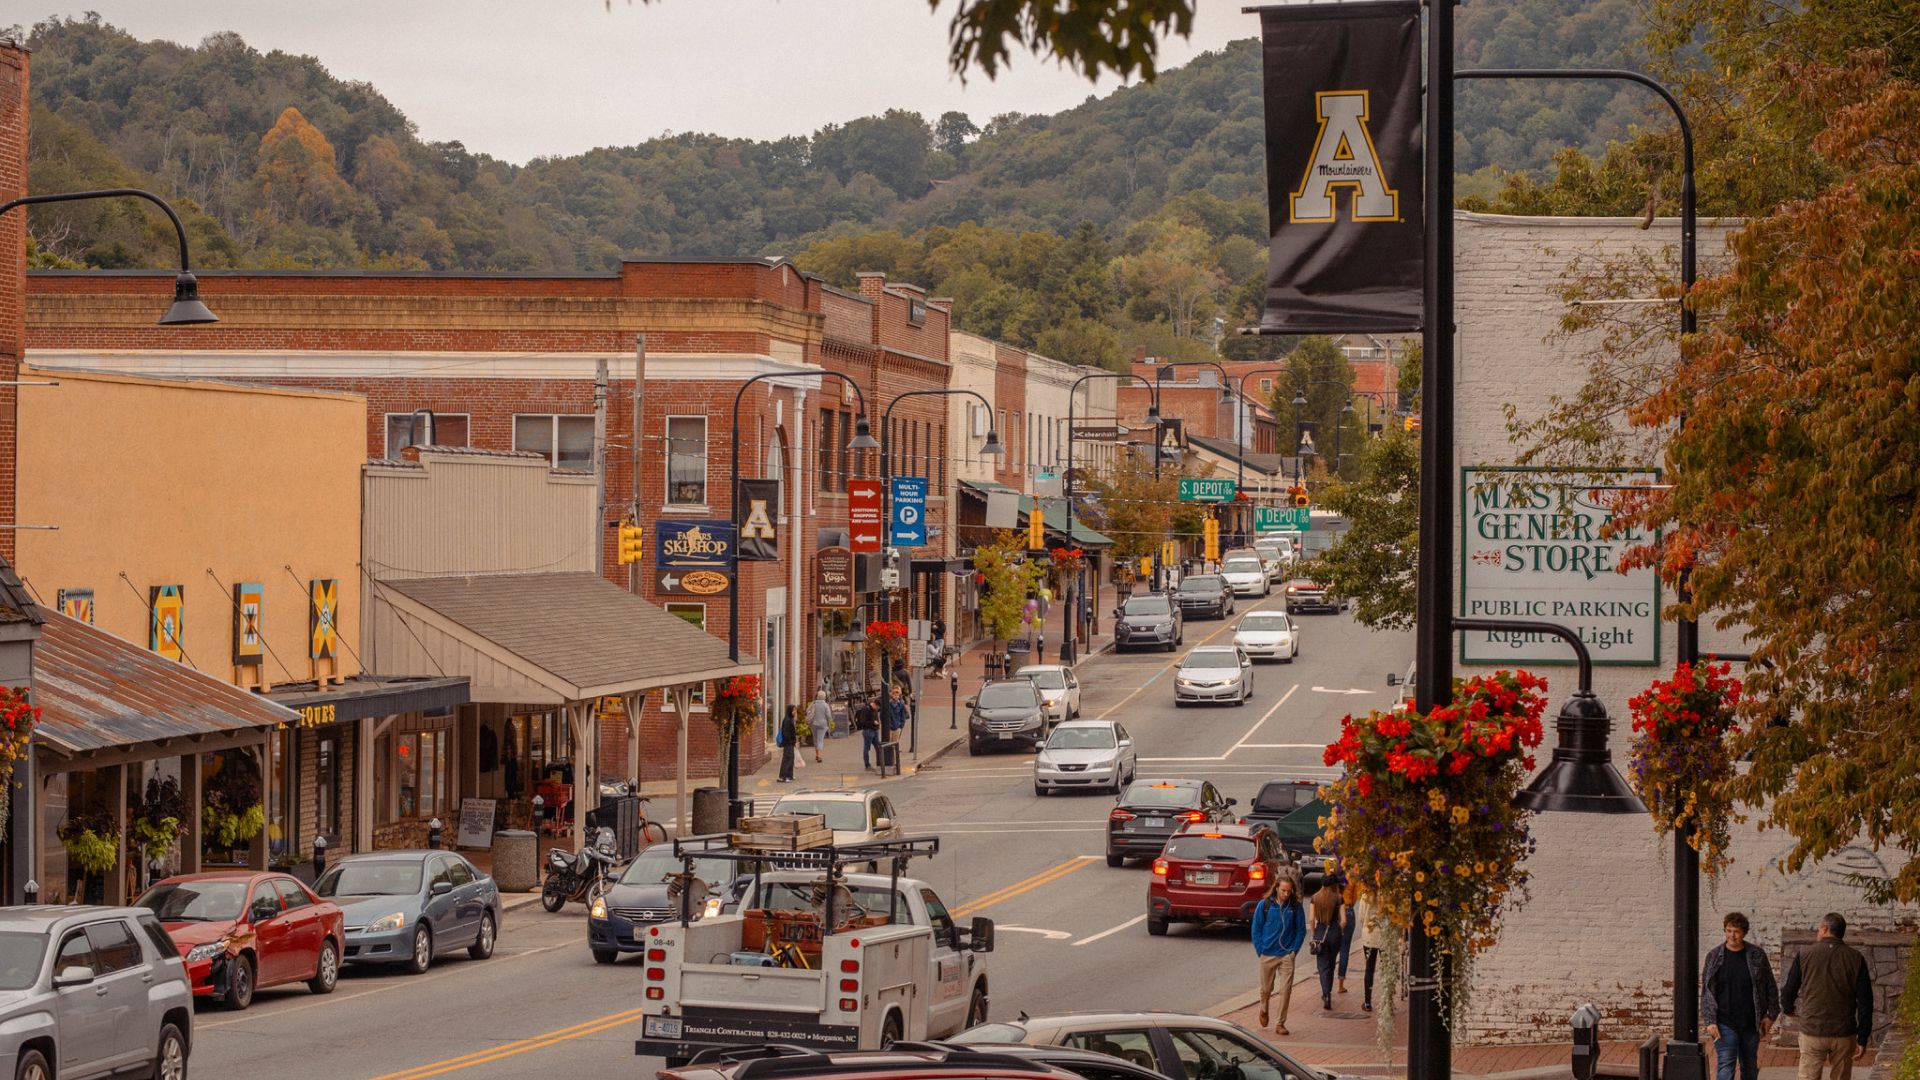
column 1416, row 896
column 1437, row 799
column 1420, row 875
column 1460, row 815
column 1462, row 871
column 1479, row 868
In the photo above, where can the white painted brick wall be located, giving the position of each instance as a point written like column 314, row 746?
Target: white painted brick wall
column 1600, row 925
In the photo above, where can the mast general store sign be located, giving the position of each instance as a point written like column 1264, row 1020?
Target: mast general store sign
column 1531, row 547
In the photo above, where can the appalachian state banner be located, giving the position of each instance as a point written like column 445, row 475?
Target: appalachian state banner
column 759, row 503
column 1343, row 168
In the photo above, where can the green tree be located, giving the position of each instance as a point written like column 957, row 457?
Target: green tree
column 1409, row 382
column 1319, row 371
column 1373, row 563
column 953, row 131
column 1010, row 575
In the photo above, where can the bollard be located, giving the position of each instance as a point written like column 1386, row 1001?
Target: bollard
column 1586, row 1041
column 433, row 834
column 32, row 891
column 319, row 856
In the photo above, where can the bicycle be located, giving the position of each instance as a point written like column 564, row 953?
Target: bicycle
column 649, row 830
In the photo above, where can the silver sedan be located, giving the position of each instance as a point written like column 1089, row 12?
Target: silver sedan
column 1214, row 673
column 1268, row 634
column 1096, row 755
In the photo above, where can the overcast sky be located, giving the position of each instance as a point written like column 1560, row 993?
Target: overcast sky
column 526, row 78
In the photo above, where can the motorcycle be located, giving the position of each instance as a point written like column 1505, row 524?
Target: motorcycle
column 579, row 876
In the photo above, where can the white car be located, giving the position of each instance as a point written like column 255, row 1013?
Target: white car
column 856, row 816
column 1058, row 688
column 1278, row 555
column 1246, row 575
column 1213, row 673
column 1268, row 634
column 1093, row 754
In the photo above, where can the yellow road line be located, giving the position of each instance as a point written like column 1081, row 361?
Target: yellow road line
column 481, row 1057
column 1051, row 874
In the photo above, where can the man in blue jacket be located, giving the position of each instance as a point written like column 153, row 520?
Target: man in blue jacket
column 1279, row 929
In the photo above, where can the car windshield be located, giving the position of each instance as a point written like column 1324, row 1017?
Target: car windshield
column 1241, row 566
column 1205, row 583
column 1285, row 796
column 1161, row 794
column 196, row 901
column 1006, row 696
column 1266, row 620
column 1046, row 678
column 994, row 1034
column 1146, row 605
column 374, row 877
column 20, row 955
column 653, row 865
column 1220, row 848
column 846, row 815
column 1082, row 738
column 1221, row 658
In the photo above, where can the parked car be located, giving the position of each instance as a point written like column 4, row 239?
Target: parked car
column 1210, row 871
column 1268, row 634
column 1204, row 595
column 91, row 991
column 921, row 1061
column 1150, row 811
column 1246, row 575
column 856, row 815
column 1085, row 754
column 1010, row 712
column 1306, row 594
column 1213, row 673
column 1179, row 1046
column 406, row 907
column 617, row 920
column 1290, row 806
column 1086, row 1064
column 1148, row 619
column 1059, row 687
column 240, row 931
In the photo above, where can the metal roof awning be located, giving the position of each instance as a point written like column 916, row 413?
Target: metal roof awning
column 1055, row 511
column 364, row 696
column 535, row 638
column 102, row 694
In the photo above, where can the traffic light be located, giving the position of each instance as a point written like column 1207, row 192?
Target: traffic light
column 1300, row 499
column 632, row 548
column 1169, row 552
column 1036, row 529
column 1146, row 566
column 1212, row 534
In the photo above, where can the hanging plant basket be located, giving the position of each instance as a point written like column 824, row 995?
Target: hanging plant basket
column 887, row 638
column 17, row 720
column 1681, row 759
column 736, row 704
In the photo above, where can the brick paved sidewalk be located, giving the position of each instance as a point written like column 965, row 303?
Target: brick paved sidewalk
column 1344, row 1040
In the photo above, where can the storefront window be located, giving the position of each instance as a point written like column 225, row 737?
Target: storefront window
column 280, row 770
column 420, row 773
column 326, row 786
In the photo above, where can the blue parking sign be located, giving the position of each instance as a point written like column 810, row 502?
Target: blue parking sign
column 909, row 525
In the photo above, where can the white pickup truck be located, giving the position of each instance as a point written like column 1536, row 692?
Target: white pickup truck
column 896, row 967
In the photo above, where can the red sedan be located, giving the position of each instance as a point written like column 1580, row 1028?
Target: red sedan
column 241, row 931
column 1211, row 870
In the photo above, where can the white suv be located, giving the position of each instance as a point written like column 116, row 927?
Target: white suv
column 856, row 816
column 91, row 991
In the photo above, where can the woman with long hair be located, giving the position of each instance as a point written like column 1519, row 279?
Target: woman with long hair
column 1279, row 926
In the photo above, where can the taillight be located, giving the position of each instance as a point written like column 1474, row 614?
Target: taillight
column 1121, row 815
column 849, row 1004
column 849, row 966
column 1160, row 867
column 655, row 993
column 656, row 974
column 1193, row 815
column 849, row 986
column 656, row 954
column 1256, row 872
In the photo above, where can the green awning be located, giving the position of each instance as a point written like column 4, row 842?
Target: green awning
column 1055, row 510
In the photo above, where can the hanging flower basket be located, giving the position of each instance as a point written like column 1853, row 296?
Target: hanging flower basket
column 1681, row 760
column 1065, row 564
column 888, row 638
column 1424, row 817
column 91, row 841
column 17, row 719
column 736, row 704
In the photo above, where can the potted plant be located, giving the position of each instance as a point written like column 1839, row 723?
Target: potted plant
column 93, row 846
column 1681, row 759
column 233, row 814
column 736, row 704
column 157, row 819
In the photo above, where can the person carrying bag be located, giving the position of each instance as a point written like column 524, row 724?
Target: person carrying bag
column 1324, row 937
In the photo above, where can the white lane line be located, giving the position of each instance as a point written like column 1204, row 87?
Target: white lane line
column 1225, row 625
column 1268, row 715
column 1110, row 931
column 1282, row 746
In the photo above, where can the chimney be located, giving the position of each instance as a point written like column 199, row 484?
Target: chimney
column 872, row 284
column 943, row 304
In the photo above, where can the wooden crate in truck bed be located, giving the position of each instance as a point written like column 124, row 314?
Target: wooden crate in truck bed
column 783, row 832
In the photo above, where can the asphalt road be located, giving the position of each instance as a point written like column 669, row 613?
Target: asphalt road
column 1072, row 931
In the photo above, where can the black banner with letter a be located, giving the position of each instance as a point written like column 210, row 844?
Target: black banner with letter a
column 759, row 509
column 1343, row 168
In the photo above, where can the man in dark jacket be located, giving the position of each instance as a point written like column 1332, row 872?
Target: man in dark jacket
column 1738, row 1001
column 866, row 721
column 1831, row 993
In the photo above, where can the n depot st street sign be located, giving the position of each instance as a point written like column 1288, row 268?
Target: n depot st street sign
column 1534, row 545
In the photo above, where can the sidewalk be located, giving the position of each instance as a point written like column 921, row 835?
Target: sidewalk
column 1344, row 1040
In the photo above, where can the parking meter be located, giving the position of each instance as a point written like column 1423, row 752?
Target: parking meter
column 1585, row 1022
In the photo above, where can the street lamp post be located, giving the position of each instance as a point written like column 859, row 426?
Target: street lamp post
column 1069, row 646
column 990, row 448
column 186, row 309
column 862, row 440
column 1686, row 1059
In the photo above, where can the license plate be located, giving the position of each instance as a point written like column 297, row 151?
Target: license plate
column 1154, row 822
column 1006, row 736
column 1204, row 877
column 661, row 1027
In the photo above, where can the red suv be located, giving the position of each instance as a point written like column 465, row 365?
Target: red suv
column 1211, row 870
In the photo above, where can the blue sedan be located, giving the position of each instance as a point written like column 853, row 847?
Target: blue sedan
column 617, row 921
column 406, row 907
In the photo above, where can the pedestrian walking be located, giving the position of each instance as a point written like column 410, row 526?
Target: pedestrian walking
column 820, row 719
column 1830, row 992
column 1279, row 928
column 1738, row 1001
column 1373, row 938
column 866, row 721
column 785, row 737
column 1349, row 896
column 1323, row 932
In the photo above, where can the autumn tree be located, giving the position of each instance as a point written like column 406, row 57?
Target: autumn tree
column 299, row 180
column 1373, row 562
column 1132, row 507
column 1010, row 574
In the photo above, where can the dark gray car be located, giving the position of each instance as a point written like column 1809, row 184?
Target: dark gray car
column 406, row 907
column 91, row 991
column 1146, row 620
column 617, row 919
column 1204, row 595
column 1006, row 713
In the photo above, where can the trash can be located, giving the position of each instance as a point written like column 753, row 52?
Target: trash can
column 889, row 758
column 516, row 861
column 709, row 810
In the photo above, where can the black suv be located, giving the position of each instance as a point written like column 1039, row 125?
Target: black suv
column 1150, row 811
column 1006, row 713
column 1148, row 619
column 1204, row 594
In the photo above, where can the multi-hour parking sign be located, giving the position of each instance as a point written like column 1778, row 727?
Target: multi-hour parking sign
column 909, row 526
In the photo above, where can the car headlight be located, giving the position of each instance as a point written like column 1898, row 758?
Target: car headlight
column 1291, row 590
column 384, row 923
column 207, row 951
column 599, row 908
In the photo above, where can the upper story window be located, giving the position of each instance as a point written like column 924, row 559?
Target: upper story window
column 687, row 460
column 424, row 428
column 566, row 441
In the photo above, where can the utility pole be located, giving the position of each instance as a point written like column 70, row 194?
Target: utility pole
column 639, row 399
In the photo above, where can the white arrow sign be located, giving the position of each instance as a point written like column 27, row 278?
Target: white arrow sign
column 668, row 581
column 1331, row 690
column 867, row 539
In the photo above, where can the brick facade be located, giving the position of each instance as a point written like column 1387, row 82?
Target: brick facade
column 13, row 267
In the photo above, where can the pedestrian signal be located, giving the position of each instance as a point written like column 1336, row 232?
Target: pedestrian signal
column 632, row 547
column 1036, row 529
